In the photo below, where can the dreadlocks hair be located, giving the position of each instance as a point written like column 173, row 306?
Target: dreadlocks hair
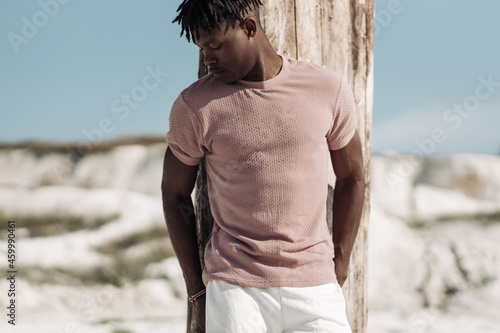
column 210, row 14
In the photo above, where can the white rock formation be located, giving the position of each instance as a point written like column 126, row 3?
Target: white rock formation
column 95, row 254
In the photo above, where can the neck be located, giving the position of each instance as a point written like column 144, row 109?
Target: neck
column 268, row 65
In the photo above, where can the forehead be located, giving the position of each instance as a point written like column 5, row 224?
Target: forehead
column 218, row 34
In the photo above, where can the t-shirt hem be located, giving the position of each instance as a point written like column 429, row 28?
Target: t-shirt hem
column 342, row 143
column 184, row 159
column 262, row 283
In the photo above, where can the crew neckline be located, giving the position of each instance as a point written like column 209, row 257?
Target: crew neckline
column 272, row 82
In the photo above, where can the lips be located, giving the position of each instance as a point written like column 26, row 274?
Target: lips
column 216, row 71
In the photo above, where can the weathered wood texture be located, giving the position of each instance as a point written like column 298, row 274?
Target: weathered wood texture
column 338, row 34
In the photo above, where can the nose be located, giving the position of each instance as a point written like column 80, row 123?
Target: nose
column 209, row 59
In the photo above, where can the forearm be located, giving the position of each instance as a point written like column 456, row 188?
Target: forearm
column 182, row 232
column 347, row 208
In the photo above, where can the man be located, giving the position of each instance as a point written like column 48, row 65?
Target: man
column 266, row 126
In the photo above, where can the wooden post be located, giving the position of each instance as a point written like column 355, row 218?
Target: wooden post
column 338, row 34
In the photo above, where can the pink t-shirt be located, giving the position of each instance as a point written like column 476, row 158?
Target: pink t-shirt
column 266, row 146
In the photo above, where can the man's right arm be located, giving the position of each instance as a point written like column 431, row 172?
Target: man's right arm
column 177, row 184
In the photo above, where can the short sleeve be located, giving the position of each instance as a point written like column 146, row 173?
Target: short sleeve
column 344, row 119
column 184, row 136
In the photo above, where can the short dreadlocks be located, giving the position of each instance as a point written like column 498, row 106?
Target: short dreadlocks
column 209, row 14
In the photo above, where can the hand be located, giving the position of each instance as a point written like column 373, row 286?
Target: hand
column 199, row 313
column 341, row 268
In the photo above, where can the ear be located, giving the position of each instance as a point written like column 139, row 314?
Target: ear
column 249, row 25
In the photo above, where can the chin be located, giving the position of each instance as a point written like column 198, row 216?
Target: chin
column 228, row 80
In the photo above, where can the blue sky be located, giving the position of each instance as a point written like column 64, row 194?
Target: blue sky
column 65, row 72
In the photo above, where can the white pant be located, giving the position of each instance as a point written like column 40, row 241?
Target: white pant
column 235, row 309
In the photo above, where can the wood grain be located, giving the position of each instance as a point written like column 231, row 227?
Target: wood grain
column 339, row 35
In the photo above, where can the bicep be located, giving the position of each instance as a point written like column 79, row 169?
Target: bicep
column 347, row 162
column 178, row 178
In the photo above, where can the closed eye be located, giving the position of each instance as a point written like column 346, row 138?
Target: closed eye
column 216, row 47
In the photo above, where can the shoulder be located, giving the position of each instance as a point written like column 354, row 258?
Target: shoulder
column 204, row 92
column 201, row 88
column 313, row 73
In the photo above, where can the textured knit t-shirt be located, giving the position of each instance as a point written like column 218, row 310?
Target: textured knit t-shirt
column 266, row 147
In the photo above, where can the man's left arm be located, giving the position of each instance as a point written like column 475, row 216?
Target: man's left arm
column 348, row 202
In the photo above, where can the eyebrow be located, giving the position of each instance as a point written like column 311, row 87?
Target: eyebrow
column 210, row 41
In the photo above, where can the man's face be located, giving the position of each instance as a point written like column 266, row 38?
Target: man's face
column 227, row 52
